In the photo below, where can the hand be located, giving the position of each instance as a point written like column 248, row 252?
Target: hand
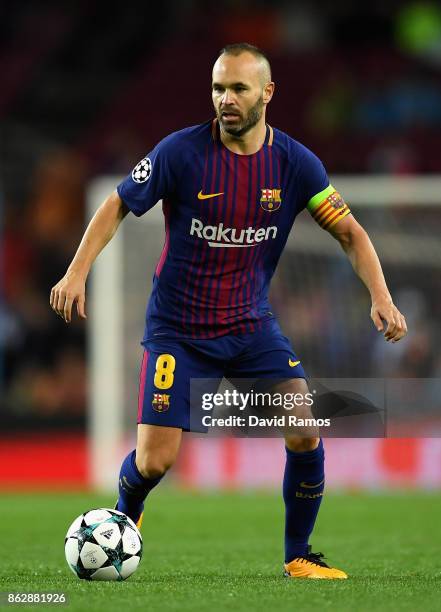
column 384, row 308
column 70, row 289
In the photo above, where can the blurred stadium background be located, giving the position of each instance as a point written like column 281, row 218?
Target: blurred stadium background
column 86, row 93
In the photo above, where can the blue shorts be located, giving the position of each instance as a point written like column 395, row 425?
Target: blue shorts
column 168, row 365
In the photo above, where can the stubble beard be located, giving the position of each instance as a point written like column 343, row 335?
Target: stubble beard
column 253, row 117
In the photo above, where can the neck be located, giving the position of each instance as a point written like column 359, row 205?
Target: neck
column 247, row 144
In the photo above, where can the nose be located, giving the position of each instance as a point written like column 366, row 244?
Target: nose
column 227, row 98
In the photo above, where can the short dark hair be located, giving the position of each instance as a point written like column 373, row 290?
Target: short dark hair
column 238, row 48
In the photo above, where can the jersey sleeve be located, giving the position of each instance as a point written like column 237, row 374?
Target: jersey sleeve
column 151, row 180
column 322, row 200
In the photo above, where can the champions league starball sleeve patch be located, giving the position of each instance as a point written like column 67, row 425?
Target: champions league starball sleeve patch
column 143, row 187
column 142, row 171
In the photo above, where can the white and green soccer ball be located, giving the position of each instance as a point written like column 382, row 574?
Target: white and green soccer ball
column 103, row 544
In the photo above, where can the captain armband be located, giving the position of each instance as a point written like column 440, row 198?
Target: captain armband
column 328, row 207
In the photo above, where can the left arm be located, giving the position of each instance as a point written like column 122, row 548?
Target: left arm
column 361, row 253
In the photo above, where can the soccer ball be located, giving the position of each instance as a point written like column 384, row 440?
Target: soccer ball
column 103, row 544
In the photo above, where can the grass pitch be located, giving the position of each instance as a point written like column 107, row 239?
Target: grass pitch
column 224, row 552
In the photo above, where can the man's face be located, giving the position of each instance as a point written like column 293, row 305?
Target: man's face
column 239, row 92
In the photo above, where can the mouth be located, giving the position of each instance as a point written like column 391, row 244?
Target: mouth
column 230, row 116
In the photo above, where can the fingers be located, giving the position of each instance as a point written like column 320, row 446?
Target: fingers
column 377, row 320
column 67, row 311
column 391, row 328
column 62, row 302
column 70, row 289
column 401, row 328
column 81, row 310
column 403, row 324
column 396, row 328
column 56, row 299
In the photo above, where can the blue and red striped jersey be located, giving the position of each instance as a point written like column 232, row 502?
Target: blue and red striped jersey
column 227, row 219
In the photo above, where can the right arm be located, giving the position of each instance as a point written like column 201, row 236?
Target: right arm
column 151, row 180
column 71, row 288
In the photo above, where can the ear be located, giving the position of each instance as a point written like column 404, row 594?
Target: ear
column 268, row 92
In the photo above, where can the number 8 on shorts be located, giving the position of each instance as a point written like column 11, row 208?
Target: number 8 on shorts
column 165, row 366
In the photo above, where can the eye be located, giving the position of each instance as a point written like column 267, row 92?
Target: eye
column 217, row 88
column 240, row 88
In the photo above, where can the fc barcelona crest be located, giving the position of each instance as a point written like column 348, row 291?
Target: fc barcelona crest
column 336, row 200
column 161, row 402
column 270, row 199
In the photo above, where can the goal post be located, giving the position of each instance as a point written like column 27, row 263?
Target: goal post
column 402, row 215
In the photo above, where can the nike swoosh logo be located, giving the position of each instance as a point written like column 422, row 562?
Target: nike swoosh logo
column 311, row 486
column 205, row 196
column 293, row 363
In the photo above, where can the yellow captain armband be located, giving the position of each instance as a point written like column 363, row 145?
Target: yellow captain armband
column 328, row 207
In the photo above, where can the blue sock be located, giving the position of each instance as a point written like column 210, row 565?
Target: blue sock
column 303, row 484
column 133, row 488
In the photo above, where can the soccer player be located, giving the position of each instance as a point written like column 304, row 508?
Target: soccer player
column 231, row 189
